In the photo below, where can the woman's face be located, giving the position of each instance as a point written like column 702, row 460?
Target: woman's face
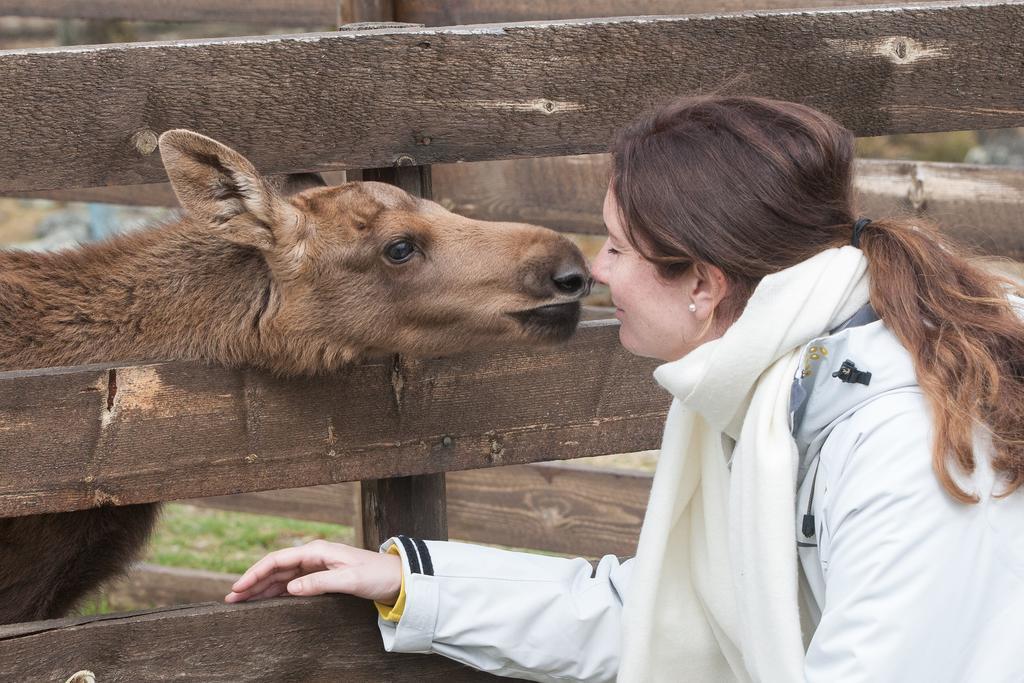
column 655, row 315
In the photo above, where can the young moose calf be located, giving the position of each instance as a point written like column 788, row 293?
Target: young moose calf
column 296, row 285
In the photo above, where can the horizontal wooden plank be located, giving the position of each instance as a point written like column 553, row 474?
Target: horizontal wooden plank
column 327, row 639
column 566, row 193
column 273, row 12
column 981, row 205
column 331, row 503
column 575, row 509
column 454, row 12
column 556, row 507
column 150, row 194
column 184, row 430
column 86, row 116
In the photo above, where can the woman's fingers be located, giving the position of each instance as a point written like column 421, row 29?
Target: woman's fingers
column 330, row 581
column 281, row 577
column 288, row 559
column 320, row 567
column 309, row 557
column 379, row 578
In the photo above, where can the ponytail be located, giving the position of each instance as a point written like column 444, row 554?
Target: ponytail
column 965, row 337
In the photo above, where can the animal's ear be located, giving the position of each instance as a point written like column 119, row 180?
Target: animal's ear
column 217, row 184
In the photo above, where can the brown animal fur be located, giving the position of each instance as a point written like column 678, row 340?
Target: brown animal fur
column 297, row 285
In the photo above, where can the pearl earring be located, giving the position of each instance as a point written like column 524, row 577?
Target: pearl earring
column 693, row 308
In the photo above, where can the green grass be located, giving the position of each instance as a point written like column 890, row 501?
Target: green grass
column 230, row 542
column 93, row 605
column 213, row 540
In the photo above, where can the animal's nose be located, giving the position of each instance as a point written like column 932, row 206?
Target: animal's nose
column 571, row 280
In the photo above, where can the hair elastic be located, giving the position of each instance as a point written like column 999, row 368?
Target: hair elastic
column 858, row 228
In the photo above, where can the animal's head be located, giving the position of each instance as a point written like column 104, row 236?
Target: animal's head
column 365, row 267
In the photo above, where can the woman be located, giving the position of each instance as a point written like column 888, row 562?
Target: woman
column 839, row 493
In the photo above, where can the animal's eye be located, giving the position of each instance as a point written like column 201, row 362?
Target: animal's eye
column 400, row 251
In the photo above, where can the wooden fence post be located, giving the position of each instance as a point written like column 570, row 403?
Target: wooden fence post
column 415, row 505
column 409, row 505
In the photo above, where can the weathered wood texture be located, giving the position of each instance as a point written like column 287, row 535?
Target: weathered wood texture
column 980, row 205
column 326, row 639
column 332, row 503
column 414, row 506
column 557, row 507
column 150, row 194
column 183, row 430
column 272, row 12
column 566, row 193
column 580, row 510
column 454, row 12
column 76, row 117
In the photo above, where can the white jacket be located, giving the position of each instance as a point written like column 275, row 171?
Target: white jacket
column 901, row 583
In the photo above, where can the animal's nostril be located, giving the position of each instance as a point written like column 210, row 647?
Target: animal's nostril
column 570, row 282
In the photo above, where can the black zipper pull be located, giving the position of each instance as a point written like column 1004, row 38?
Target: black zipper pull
column 808, row 526
column 849, row 373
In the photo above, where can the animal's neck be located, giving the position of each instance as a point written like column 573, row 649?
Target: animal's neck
column 171, row 292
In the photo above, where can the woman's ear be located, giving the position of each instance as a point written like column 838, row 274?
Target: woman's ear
column 707, row 286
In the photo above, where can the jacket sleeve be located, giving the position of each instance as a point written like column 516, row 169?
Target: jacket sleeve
column 513, row 614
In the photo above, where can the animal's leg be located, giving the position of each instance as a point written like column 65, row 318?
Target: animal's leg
column 48, row 563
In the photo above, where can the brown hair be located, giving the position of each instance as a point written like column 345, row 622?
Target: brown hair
column 754, row 186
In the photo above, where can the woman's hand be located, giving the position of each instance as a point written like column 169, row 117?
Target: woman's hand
column 321, row 567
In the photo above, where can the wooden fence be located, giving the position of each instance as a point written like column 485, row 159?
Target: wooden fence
column 81, row 121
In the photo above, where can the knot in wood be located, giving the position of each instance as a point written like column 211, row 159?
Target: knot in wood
column 145, row 141
column 82, row 676
column 497, row 447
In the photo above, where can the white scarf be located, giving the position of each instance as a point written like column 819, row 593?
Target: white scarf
column 713, row 593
